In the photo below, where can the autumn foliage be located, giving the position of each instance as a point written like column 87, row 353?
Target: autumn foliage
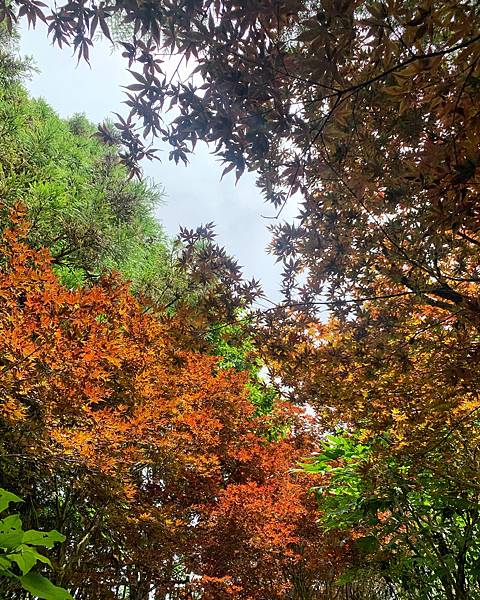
column 161, row 469
column 162, row 476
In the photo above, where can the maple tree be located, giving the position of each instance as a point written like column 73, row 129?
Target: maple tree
column 369, row 102
column 398, row 382
column 368, row 108
column 145, row 453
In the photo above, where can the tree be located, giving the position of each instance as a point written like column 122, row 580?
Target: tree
column 419, row 529
column 12, row 67
column 80, row 201
column 310, row 96
column 146, row 453
column 370, row 110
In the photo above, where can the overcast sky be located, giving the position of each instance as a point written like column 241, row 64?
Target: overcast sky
column 193, row 194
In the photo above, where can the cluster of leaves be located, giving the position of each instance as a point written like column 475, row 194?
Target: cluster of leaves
column 19, row 553
column 213, row 274
column 12, row 66
column 288, row 86
column 80, row 201
column 400, row 380
column 341, row 461
column 369, row 109
column 421, row 530
column 236, row 349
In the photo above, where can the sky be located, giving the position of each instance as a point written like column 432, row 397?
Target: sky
column 193, row 194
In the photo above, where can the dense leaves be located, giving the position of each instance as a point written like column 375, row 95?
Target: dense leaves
column 147, row 455
column 399, row 380
column 80, row 201
column 368, row 110
column 419, row 528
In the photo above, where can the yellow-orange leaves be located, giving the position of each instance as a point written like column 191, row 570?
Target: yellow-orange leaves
column 105, row 381
column 96, row 390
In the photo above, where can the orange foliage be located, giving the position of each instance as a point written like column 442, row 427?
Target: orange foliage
column 162, row 442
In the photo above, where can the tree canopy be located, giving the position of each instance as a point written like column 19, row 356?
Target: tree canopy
column 146, row 453
column 366, row 110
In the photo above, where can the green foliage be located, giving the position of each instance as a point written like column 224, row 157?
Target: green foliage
column 341, row 460
column 419, row 528
column 18, row 553
column 41, row 587
column 82, row 204
column 237, row 351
